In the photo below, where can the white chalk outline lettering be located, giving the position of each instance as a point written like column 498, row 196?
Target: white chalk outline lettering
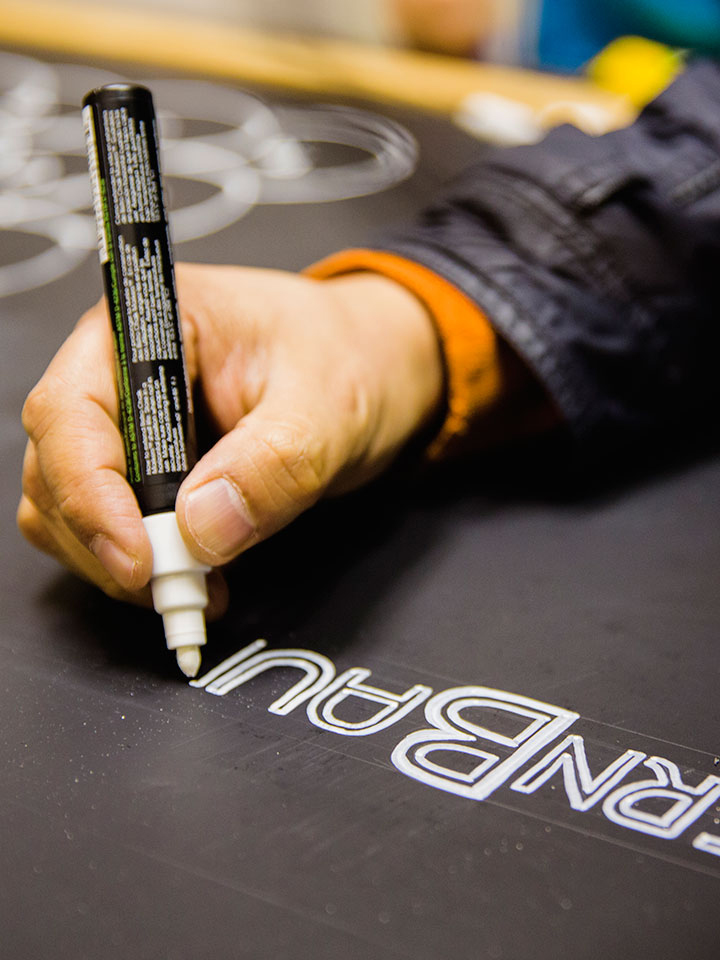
column 451, row 730
column 620, row 806
column 423, row 754
column 394, row 706
column 582, row 789
column 248, row 663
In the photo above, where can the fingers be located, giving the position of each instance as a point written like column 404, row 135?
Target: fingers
column 54, row 538
column 314, row 387
column 76, row 503
column 254, row 481
column 341, row 393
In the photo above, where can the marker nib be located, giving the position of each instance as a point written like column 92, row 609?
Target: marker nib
column 188, row 659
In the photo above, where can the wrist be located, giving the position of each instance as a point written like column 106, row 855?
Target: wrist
column 470, row 351
column 396, row 333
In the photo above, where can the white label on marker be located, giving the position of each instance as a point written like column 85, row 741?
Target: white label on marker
column 91, row 146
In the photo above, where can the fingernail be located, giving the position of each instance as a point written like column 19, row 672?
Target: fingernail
column 120, row 565
column 217, row 518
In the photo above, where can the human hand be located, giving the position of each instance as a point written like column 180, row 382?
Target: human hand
column 313, row 388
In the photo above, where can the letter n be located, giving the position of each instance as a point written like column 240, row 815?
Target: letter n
column 582, row 789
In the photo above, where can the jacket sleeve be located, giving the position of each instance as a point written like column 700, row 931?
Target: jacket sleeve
column 598, row 261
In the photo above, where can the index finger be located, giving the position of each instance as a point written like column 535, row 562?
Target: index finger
column 71, row 419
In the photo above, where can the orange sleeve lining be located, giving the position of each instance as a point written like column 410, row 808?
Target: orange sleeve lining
column 469, row 344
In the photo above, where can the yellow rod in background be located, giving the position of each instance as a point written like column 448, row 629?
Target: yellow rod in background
column 187, row 43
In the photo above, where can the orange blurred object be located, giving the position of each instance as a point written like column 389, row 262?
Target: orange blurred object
column 453, row 27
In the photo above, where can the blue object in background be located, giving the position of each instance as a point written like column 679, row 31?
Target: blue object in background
column 571, row 32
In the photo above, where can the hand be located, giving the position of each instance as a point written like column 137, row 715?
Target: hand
column 313, row 387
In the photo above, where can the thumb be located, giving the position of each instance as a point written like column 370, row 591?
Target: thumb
column 254, row 481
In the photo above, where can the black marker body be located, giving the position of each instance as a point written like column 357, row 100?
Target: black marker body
column 154, row 401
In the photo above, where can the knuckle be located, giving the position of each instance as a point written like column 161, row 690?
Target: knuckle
column 73, row 503
column 298, row 461
column 35, row 410
column 85, row 501
column 362, row 414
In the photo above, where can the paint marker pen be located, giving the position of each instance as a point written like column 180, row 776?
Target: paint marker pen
column 156, row 418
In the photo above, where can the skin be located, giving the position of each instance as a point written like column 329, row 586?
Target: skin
column 312, row 387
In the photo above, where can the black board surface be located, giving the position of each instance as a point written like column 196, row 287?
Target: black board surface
column 448, row 716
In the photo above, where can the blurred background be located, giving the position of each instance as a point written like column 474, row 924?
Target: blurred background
column 560, row 35
column 425, row 50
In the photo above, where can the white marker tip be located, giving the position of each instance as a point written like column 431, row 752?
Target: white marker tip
column 188, row 659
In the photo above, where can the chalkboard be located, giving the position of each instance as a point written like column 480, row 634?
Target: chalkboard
column 448, row 716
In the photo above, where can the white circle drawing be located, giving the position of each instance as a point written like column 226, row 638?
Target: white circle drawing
column 230, row 141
